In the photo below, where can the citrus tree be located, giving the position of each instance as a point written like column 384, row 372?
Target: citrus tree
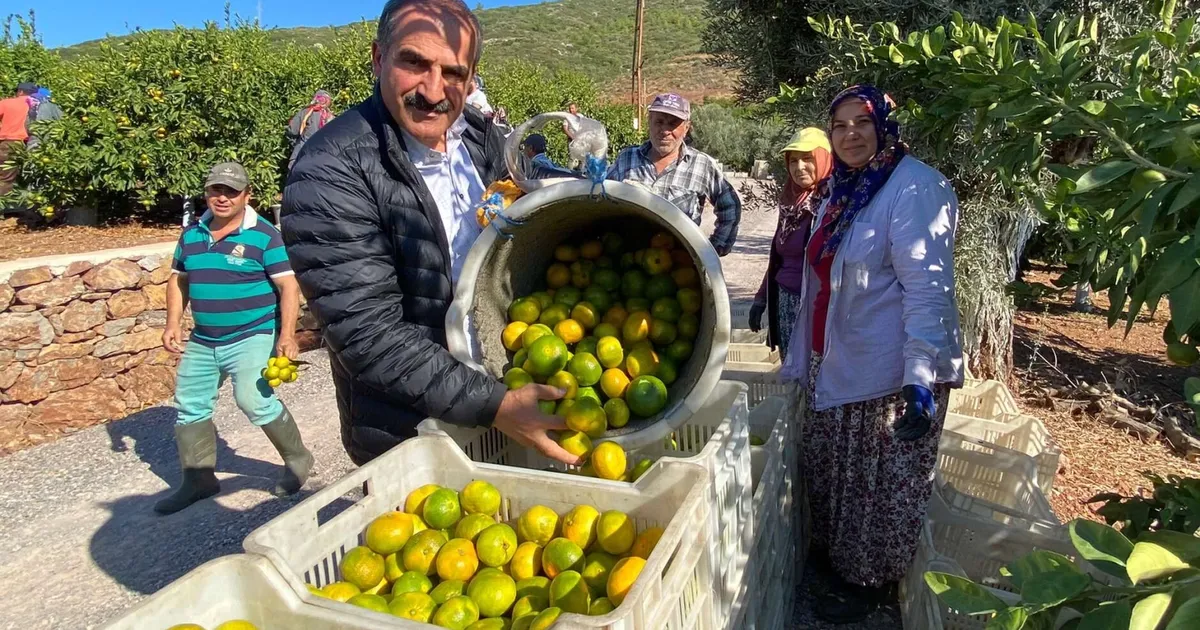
column 1100, row 133
column 147, row 115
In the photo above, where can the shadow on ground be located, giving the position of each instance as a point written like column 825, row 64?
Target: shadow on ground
column 144, row 551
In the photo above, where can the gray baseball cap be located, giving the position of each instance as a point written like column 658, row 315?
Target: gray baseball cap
column 672, row 104
column 229, row 174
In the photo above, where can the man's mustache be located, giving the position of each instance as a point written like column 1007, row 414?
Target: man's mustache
column 417, row 101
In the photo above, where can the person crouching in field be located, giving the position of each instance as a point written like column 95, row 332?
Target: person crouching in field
column 229, row 266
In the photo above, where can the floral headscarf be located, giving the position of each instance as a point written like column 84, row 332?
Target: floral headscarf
column 853, row 188
column 320, row 104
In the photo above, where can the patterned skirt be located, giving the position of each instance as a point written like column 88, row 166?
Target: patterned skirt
column 867, row 491
column 789, row 309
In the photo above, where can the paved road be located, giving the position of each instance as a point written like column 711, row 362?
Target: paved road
column 79, row 542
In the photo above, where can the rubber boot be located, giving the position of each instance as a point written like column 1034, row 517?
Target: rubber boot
column 197, row 444
column 297, row 460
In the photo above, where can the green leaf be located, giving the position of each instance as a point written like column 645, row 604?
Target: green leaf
column 1188, row 194
column 1008, row 619
column 1094, row 108
column 1114, row 616
column 1150, row 561
column 1173, row 266
column 1185, row 546
column 1054, row 587
column 963, row 595
column 1168, row 12
column 1101, row 175
column 1038, row 562
column 1185, row 303
column 1149, row 612
column 1106, row 548
column 1187, row 616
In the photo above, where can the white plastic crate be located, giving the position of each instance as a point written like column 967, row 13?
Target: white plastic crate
column 982, row 399
column 751, row 353
column 228, row 588
column 990, row 481
column 717, row 439
column 920, row 608
column 763, row 379
column 1018, row 432
column 766, row 592
column 745, row 335
column 306, row 545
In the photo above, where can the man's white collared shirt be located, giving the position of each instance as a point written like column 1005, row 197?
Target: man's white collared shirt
column 456, row 188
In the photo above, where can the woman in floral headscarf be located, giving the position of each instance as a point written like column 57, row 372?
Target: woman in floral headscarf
column 878, row 348
column 308, row 121
column 809, row 164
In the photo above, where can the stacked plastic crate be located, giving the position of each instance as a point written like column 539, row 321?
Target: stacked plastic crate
column 996, row 467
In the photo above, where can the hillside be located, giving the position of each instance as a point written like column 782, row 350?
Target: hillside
column 590, row 36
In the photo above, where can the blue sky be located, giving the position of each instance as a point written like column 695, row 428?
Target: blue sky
column 66, row 22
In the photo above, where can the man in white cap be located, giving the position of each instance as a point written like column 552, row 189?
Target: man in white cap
column 679, row 173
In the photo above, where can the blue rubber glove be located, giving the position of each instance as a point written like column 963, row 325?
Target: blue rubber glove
column 918, row 413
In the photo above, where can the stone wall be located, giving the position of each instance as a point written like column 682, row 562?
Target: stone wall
column 81, row 341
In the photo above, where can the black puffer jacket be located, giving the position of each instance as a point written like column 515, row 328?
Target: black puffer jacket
column 365, row 238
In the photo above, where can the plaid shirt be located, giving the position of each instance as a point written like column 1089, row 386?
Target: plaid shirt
column 686, row 183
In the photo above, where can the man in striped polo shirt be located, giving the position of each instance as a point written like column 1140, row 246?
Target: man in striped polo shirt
column 234, row 270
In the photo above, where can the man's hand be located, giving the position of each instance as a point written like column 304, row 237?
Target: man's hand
column 173, row 339
column 287, row 347
column 919, row 409
column 520, row 419
column 756, row 313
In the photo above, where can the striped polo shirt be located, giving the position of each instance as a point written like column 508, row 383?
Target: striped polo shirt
column 229, row 281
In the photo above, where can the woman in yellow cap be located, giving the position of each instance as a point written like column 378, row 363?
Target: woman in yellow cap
column 809, row 164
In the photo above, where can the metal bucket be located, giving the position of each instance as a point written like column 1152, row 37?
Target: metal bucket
column 498, row 269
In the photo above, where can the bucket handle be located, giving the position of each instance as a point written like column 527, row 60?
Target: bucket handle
column 589, row 146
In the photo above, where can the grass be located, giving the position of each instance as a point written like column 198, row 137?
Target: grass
column 594, row 37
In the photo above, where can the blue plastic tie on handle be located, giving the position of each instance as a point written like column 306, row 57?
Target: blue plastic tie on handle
column 493, row 209
column 597, row 171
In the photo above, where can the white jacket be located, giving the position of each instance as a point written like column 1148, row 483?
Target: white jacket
column 893, row 317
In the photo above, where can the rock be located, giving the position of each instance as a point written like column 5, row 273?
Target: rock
column 26, row 354
column 152, row 383
column 151, row 262
column 114, row 275
column 100, row 400
column 129, row 343
column 126, row 304
column 75, row 337
column 52, row 293
column 60, row 351
column 82, row 316
column 22, row 308
column 13, row 414
column 10, row 374
column 92, row 297
column 76, row 268
column 24, row 330
column 6, row 357
column 136, row 360
column 116, row 327
column 153, row 319
column 37, row 383
column 132, row 402
column 308, row 321
column 6, row 297
column 112, row 366
column 161, row 356
column 156, row 296
column 30, row 277
column 163, row 273
column 308, row 340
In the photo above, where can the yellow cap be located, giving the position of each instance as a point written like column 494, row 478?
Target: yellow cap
column 808, row 139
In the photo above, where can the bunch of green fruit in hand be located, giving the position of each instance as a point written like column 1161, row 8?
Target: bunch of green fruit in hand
column 279, row 370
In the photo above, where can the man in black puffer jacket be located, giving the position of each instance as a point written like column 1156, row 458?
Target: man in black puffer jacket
column 378, row 214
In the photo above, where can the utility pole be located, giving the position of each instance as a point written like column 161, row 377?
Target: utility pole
column 637, row 65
